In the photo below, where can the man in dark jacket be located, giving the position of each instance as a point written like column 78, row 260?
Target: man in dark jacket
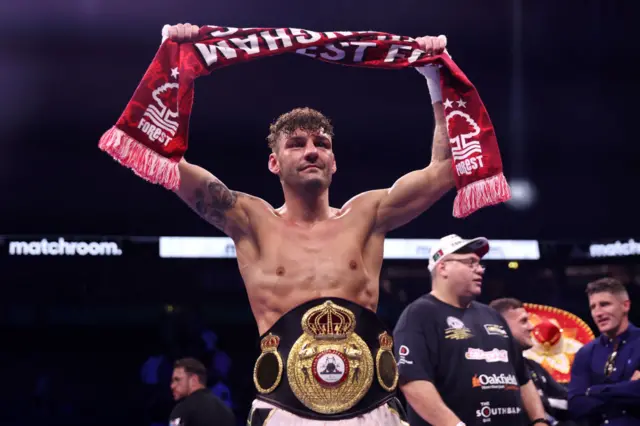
column 605, row 376
column 197, row 405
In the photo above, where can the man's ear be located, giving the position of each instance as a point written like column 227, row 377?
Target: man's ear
column 193, row 380
column 274, row 166
column 442, row 269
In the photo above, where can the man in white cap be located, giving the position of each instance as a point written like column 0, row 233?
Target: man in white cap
column 458, row 362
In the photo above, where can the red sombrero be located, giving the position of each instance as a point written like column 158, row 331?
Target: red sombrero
column 557, row 336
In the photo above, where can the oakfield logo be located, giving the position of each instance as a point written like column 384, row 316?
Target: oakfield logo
column 61, row 247
column 495, row 381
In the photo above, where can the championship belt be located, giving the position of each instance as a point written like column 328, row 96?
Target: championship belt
column 339, row 361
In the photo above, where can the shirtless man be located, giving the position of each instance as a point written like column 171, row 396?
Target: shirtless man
column 309, row 257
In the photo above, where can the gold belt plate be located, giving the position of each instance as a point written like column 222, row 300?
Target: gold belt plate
column 329, row 368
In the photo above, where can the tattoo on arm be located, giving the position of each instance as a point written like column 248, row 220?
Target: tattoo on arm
column 440, row 150
column 213, row 200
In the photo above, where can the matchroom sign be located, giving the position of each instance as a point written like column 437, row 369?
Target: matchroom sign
column 61, row 247
column 615, row 249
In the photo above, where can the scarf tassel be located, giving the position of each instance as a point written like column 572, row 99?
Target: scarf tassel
column 144, row 162
column 483, row 193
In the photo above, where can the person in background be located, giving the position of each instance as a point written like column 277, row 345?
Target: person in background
column 458, row 362
column 605, row 385
column 553, row 394
column 197, row 405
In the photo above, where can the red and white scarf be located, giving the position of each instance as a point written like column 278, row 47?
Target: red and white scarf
column 151, row 135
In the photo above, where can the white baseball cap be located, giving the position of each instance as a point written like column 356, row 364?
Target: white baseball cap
column 452, row 243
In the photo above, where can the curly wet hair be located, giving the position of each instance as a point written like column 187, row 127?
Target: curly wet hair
column 299, row 118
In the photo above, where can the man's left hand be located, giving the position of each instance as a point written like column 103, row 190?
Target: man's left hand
column 432, row 45
column 636, row 375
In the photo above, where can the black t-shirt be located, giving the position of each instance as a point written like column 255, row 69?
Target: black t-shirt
column 202, row 408
column 468, row 354
column 554, row 396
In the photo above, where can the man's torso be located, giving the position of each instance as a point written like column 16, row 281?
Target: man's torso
column 284, row 264
column 474, row 371
column 625, row 364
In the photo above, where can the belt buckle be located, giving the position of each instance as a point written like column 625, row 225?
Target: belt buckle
column 329, row 368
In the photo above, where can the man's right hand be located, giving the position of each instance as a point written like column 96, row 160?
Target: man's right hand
column 183, row 32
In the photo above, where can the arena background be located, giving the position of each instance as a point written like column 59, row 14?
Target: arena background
column 558, row 81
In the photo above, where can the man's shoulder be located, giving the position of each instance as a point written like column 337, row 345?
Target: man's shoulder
column 535, row 365
column 587, row 347
column 634, row 333
column 177, row 412
column 360, row 211
column 253, row 204
column 364, row 200
column 219, row 408
column 421, row 308
column 486, row 312
column 423, row 302
column 481, row 307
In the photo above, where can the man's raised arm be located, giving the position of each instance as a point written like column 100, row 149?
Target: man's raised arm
column 212, row 200
column 202, row 191
column 416, row 191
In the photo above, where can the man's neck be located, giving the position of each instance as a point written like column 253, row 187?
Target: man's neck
column 195, row 389
column 624, row 326
column 451, row 298
column 308, row 208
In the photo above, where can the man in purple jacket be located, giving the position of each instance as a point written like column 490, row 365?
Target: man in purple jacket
column 605, row 376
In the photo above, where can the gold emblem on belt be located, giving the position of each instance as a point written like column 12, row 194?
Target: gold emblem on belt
column 386, row 366
column 330, row 367
column 268, row 369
